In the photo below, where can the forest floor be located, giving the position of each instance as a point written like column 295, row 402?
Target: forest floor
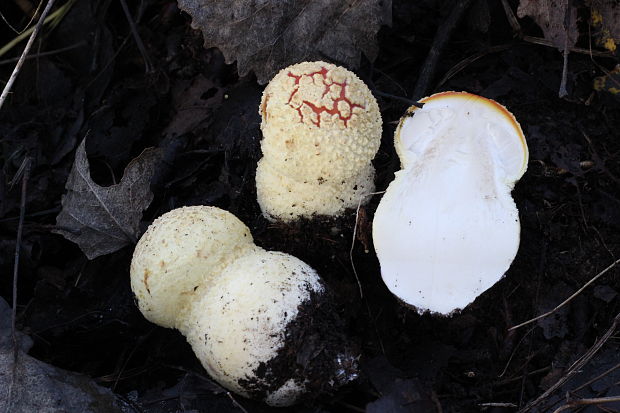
column 81, row 314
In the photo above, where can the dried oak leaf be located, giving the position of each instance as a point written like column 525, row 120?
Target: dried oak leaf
column 558, row 23
column 268, row 35
column 102, row 220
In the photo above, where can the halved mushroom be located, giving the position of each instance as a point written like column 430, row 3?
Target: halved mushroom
column 447, row 227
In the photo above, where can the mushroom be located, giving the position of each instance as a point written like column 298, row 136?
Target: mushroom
column 247, row 313
column 447, row 228
column 321, row 129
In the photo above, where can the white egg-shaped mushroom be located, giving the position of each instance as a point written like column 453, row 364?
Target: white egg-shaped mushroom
column 252, row 317
column 181, row 252
column 447, row 228
column 240, row 324
column 321, row 129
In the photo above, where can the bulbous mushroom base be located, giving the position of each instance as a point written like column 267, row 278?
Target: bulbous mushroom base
column 286, row 199
column 267, row 330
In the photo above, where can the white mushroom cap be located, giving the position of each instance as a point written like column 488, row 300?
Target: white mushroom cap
column 321, row 125
column 180, row 253
column 239, row 324
column 447, row 228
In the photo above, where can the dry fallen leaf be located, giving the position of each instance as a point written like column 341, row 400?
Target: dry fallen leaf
column 36, row 386
column 266, row 36
column 605, row 20
column 193, row 101
column 551, row 17
column 102, row 220
column 610, row 82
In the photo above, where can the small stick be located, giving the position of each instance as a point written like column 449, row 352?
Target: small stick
column 576, row 366
column 22, row 212
column 439, row 42
column 22, row 59
column 563, row 303
column 567, row 17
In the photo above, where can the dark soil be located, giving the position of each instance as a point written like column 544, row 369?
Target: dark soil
column 316, row 353
column 193, row 106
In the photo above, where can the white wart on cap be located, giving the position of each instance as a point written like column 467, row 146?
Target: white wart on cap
column 447, row 228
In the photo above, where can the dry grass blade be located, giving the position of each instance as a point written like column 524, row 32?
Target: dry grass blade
column 563, row 303
column 576, row 366
column 586, row 402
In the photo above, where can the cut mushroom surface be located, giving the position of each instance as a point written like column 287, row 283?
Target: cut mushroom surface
column 447, row 227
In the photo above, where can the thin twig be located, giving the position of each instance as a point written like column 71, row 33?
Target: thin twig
column 522, row 377
column 439, row 42
column 27, row 10
column 567, row 19
column 514, row 351
column 497, row 405
column 357, row 212
column 586, row 402
column 597, row 378
column 18, row 243
column 577, row 365
column 235, row 402
column 22, row 59
column 563, row 303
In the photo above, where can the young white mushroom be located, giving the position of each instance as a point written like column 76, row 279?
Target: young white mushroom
column 447, row 228
column 247, row 312
column 321, row 129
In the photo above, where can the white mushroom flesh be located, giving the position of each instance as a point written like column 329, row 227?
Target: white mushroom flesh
column 447, row 227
